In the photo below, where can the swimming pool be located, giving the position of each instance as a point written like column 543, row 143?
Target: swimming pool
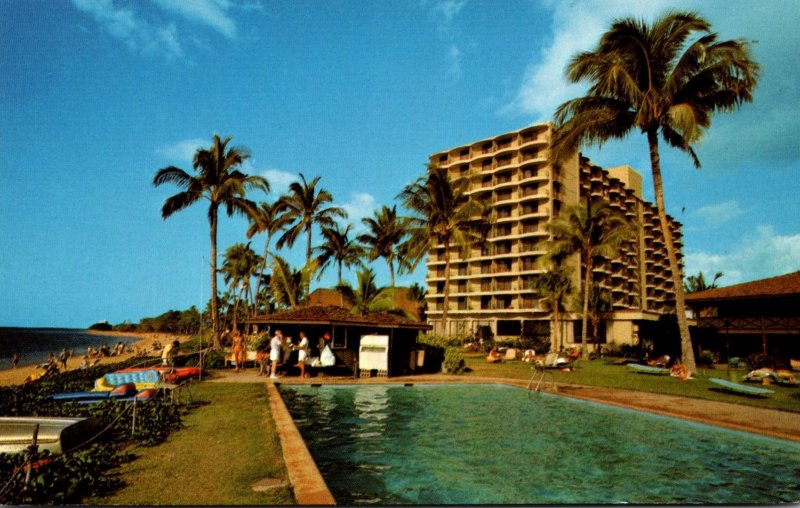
column 496, row 444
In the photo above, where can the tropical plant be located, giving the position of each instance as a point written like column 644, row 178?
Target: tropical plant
column 594, row 230
column 220, row 182
column 240, row 265
column 600, row 304
column 667, row 78
column 338, row 247
column 366, row 293
column 386, row 233
column 417, row 293
column 288, row 286
column 305, row 207
column 555, row 286
column 695, row 283
column 444, row 214
column 269, row 219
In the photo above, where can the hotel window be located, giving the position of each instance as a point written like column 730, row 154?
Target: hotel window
column 486, row 302
column 443, row 158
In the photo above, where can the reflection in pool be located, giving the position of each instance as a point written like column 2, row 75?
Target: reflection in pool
column 495, row 444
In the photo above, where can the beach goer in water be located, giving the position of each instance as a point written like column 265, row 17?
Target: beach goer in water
column 14, row 360
column 302, row 353
column 63, row 358
column 237, row 342
column 275, row 353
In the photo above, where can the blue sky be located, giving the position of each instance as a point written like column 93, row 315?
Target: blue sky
column 96, row 96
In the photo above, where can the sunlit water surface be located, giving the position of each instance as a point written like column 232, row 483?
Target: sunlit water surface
column 495, row 444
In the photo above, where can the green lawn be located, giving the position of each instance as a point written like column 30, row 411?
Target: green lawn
column 229, row 442
column 600, row 373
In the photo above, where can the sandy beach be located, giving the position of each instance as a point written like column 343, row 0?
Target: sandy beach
column 145, row 343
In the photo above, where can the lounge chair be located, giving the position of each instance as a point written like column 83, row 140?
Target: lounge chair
column 738, row 388
column 511, row 354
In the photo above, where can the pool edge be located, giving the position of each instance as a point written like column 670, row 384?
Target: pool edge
column 307, row 482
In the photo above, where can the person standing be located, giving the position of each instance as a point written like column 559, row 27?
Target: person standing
column 14, row 360
column 302, row 353
column 275, row 353
column 237, row 342
column 166, row 355
column 63, row 358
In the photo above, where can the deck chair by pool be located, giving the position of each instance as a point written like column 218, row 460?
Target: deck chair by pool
column 511, row 354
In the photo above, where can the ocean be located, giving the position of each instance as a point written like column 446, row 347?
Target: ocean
column 35, row 344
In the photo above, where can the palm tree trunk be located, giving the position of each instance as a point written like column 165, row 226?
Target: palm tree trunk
column 446, row 283
column 687, row 352
column 212, row 218
column 261, row 271
column 587, row 281
column 391, row 271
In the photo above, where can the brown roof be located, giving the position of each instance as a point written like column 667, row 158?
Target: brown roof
column 782, row 285
column 328, row 314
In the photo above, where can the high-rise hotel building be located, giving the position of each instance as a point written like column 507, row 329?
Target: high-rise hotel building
column 493, row 285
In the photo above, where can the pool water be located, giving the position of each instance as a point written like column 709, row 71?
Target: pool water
column 496, row 444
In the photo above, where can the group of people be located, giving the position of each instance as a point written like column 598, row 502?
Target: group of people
column 280, row 348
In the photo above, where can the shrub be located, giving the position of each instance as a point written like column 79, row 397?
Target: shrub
column 760, row 361
column 453, row 361
column 707, row 357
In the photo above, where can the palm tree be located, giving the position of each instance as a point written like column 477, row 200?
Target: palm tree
column 417, row 294
column 222, row 184
column 305, row 206
column 269, row 219
column 554, row 285
column 240, row 265
column 366, row 293
column 444, row 215
column 386, row 232
column 695, row 283
column 338, row 247
column 594, row 230
column 288, row 286
column 600, row 304
column 655, row 79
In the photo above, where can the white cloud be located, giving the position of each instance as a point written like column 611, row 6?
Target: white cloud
column 454, row 54
column 449, row 9
column 182, row 151
column 279, row 181
column 719, row 213
column 360, row 205
column 212, row 13
column 576, row 27
column 136, row 33
column 760, row 255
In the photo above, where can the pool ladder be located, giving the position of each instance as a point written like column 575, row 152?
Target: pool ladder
column 539, row 374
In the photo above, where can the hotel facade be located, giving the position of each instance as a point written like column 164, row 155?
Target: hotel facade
column 493, row 285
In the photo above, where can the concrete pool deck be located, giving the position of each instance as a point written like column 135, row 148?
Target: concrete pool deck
column 310, row 488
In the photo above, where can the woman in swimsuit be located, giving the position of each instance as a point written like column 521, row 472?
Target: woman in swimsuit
column 238, row 350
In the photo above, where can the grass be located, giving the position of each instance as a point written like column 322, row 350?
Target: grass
column 600, row 373
column 229, row 442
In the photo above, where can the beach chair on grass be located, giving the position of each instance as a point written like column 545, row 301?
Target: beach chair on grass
column 511, row 354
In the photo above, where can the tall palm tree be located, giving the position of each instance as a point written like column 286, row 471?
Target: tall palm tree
column 305, row 206
column 269, row 219
column 667, row 78
column 594, row 230
column 219, row 181
column 338, row 247
column 554, row 285
column 386, row 233
column 240, row 265
column 444, row 214
column 695, row 283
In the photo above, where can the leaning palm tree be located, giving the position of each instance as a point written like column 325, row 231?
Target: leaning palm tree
column 386, row 233
column 269, row 219
column 594, row 230
column 219, row 181
column 667, row 78
column 305, row 206
column 240, row 265
column 339, row 248
column 555, row 286
column 444, row 214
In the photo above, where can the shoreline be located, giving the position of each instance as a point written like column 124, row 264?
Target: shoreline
column 145, row 340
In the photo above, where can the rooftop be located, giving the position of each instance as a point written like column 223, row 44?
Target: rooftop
column 330, row 315
column 782, row 285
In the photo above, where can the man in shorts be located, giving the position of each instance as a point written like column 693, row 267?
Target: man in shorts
column 275, row 345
